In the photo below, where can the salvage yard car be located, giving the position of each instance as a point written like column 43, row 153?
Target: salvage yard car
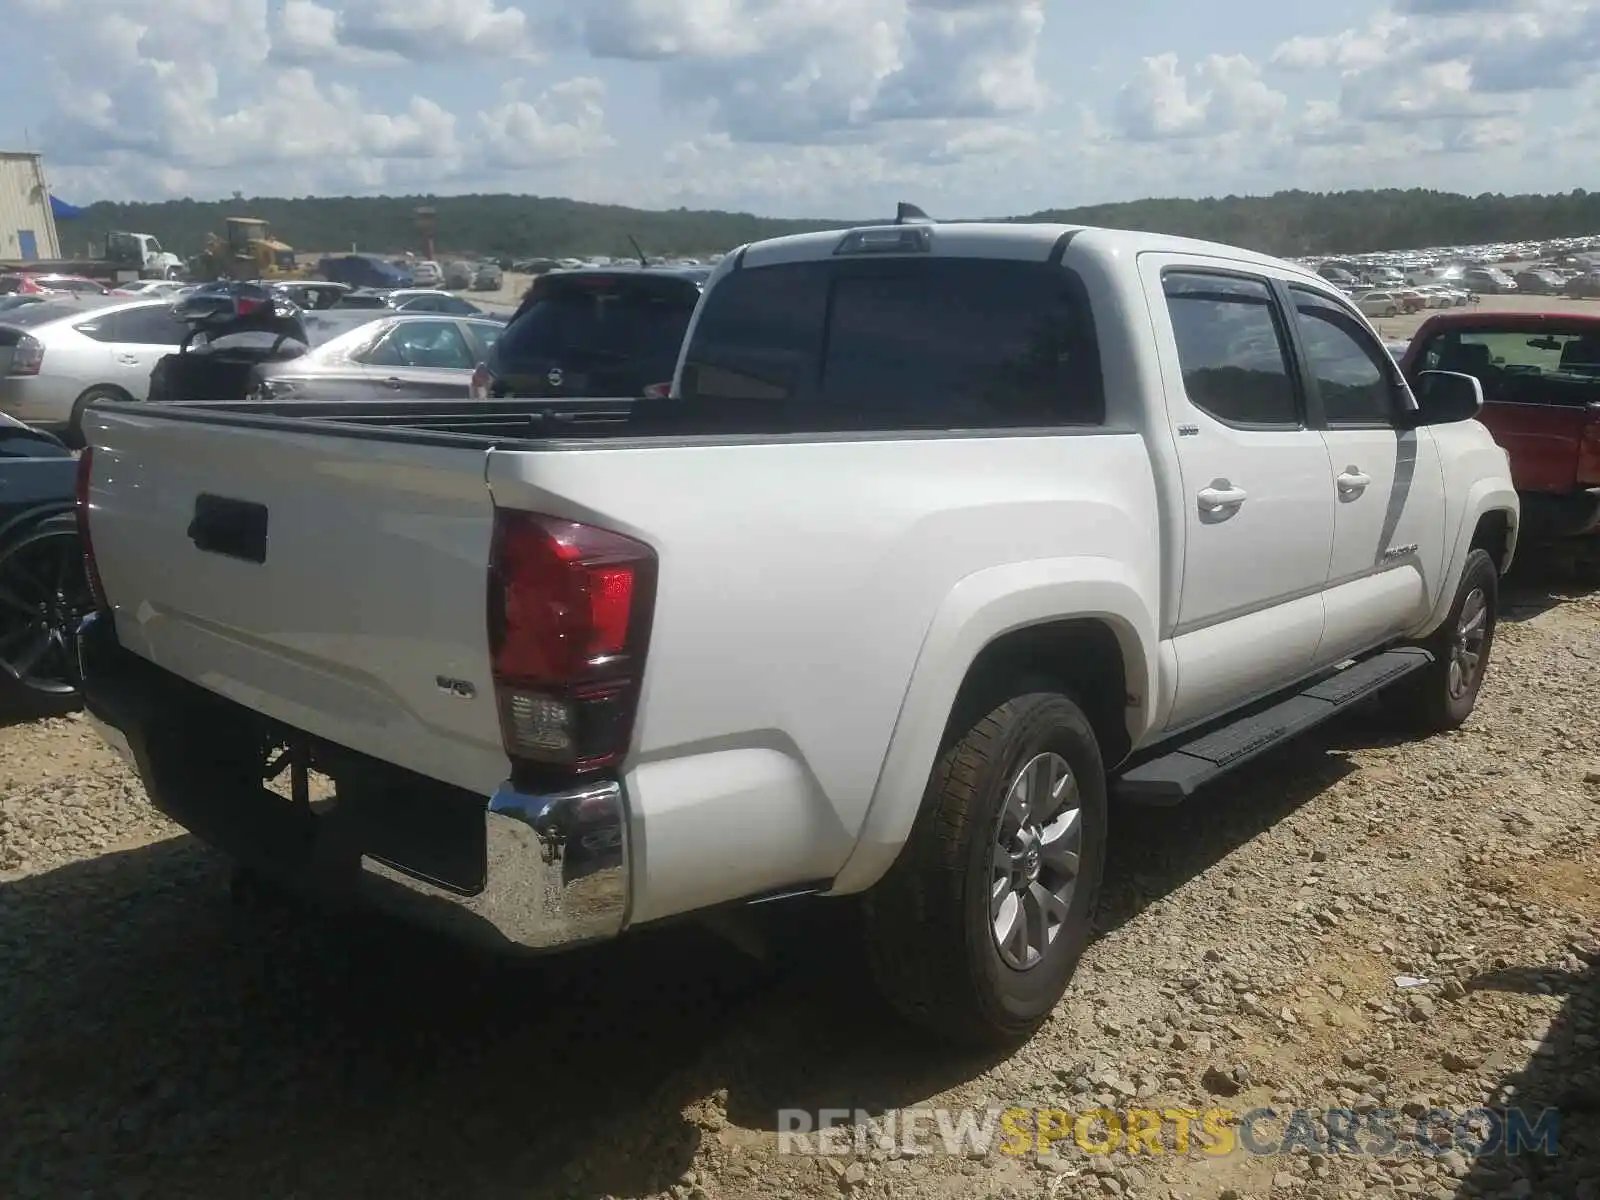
column 612, row 331
column 405, row 355
column 62, row 355
column 43, row 590
column 1540, row 374
column 945, row 538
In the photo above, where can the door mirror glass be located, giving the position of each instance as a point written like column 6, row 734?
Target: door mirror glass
column 1444, row 397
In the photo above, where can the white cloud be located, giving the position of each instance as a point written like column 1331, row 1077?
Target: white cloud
column 834, row 106
column 567, row 122
column 1228, row 96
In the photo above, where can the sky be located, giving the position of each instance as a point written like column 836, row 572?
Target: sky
column 821, row 108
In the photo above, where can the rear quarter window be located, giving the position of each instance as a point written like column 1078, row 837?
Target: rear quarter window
column 903, row 343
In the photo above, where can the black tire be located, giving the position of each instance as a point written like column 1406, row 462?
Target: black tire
column 1428, row 701
column 929, row 931
column 74, row 434
column 41, row 564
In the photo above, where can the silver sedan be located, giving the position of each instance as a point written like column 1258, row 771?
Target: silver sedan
column 57, row 356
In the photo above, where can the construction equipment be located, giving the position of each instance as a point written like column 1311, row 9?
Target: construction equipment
column 248, row 252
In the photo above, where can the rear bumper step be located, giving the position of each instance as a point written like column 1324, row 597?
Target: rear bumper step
column 1180, row 770
column 528, row 872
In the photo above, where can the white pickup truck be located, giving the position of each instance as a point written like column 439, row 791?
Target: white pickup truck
column 946, row 537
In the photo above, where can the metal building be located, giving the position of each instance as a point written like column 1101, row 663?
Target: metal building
column 27, row 222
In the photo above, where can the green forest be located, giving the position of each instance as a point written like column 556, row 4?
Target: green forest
column 1286, row 223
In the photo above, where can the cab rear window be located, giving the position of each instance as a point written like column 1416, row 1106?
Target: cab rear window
column 902, row 343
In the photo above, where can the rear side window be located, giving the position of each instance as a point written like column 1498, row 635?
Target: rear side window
column 906, row 343
column 487, row 335
column 1231, row 349
column 421, row 344
column 153, row 326
column 598, row 320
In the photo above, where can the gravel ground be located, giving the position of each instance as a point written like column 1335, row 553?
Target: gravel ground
column 157, row 1044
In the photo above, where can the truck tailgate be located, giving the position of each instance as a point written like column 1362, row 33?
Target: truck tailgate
column 335, row 583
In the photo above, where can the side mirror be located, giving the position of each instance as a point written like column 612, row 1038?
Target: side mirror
column 1443, row 398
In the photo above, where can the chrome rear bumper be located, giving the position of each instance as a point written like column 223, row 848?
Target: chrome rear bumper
column 554, row 867
column 556, row 872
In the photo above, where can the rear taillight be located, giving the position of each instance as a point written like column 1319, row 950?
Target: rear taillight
column 90, row 569
column 570, row 607
column 27, row 357
column 478, row 389
column 658, row 391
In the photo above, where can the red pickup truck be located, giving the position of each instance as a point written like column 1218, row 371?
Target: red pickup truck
column 1541, row 390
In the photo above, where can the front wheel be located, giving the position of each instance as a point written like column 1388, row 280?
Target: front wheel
column 975, row 931
column 1443, row 694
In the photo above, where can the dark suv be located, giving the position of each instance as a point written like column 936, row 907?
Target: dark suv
column 604, row 331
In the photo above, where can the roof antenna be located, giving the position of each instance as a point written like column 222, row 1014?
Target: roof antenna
column 910, row 214
column 643, row 261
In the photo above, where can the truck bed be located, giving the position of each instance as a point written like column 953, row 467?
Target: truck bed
column 327, row 565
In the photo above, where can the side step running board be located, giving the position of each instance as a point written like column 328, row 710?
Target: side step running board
column 1175, row 774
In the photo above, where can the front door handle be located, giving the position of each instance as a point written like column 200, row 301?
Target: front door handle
column 1352, row 482
column 392, row 382
column 1219, row 496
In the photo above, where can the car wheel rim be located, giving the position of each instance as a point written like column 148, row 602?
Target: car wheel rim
column 44, row 594
column 1037, row 844
column 1466, row 655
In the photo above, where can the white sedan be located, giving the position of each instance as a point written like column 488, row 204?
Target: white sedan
column 1380, row 303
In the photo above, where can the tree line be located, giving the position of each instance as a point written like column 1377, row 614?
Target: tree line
column 1290, row 223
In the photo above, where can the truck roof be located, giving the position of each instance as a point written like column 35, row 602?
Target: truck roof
column 1008, row 239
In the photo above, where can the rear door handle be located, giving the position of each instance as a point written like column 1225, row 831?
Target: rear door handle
column 1352, row 481
column 1214, row 497
column 393, row 382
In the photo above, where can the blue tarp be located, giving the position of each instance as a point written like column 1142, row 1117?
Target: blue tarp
column 62, row 211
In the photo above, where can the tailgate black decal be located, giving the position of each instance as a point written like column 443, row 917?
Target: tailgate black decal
column 235, row 528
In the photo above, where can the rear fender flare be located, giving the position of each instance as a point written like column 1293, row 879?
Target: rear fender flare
column 982, row 607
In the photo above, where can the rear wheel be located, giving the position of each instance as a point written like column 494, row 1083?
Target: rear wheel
column 44, row 594
column 975, row 931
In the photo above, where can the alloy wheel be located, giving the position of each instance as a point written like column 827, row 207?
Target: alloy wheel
column 1466, row 650
column 44, row 594
column 1038, row 839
